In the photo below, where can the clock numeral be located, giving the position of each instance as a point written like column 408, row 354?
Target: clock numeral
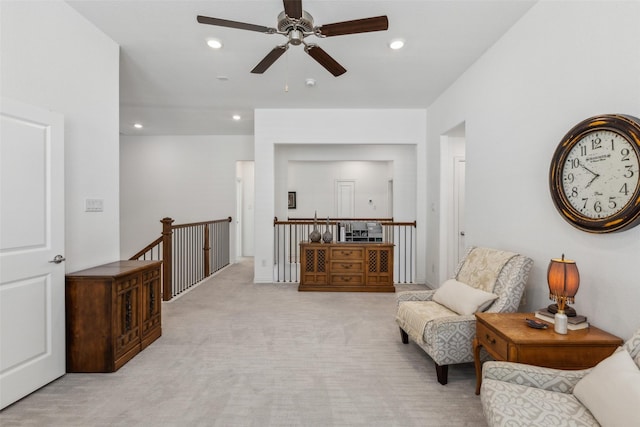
column 613, row 144
column 624, row 190
column 570, row 178
column 612, row 202
column 574, row 191
column 597, row 206
column 596, row 143
column 575, row 163
column 629, row 172
column 625, row 154
column 585, row 200
column 583, row 150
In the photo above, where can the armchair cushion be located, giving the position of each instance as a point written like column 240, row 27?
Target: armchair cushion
column 462, row 298
column 482, row 266
column 611, row 391
column 413, row 316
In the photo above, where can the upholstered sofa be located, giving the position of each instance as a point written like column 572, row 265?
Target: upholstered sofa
column 514, row 394
column 442, row 321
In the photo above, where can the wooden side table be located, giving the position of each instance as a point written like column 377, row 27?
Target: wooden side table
column 506, row 337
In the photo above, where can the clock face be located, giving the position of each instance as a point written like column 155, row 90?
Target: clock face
column 595, row 174
column 600, row 174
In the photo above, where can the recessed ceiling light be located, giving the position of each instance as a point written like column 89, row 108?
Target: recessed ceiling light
column 236, row 117
column 214, row 43
column 137, row 125
column 396, row 44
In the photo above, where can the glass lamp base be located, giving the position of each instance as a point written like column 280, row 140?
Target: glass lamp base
column 560, row 323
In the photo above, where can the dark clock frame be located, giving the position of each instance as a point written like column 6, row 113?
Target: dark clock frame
column 627, row 127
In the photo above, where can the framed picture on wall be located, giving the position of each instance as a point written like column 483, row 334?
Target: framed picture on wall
column 292, row 199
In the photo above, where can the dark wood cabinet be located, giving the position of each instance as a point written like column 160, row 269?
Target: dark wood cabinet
column 113, row 312
column 346, row 267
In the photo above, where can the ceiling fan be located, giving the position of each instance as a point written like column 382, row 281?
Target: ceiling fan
column 296, row 24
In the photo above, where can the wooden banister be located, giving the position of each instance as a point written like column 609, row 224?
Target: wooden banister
column 167, row 232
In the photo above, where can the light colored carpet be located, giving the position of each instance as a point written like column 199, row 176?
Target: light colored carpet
column 235, row 353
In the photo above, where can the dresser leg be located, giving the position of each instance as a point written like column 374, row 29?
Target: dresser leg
column 478, row 363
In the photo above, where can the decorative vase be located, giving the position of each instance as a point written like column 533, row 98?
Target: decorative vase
column 327, row 237
column 315, row 236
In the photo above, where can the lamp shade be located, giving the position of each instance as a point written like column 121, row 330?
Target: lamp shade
column 564, row 280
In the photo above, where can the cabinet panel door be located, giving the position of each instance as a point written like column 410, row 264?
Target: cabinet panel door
column 379, row 266
column 315, row 267
column 151, row 305
column 127, row 314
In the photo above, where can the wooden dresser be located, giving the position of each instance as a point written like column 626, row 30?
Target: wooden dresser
column 346, row 267
column 113, row 312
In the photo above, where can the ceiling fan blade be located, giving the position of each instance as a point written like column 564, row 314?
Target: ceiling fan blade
column 365, row 25
column 293, row 8
column 268, row 60
column 235, row 24
column 325, row 60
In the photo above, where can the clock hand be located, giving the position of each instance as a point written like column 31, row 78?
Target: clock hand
column 592, row 179
column 595, row 175
column 589, row 170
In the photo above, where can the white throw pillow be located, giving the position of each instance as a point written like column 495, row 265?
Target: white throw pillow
column 462, row 298
column 611, row 391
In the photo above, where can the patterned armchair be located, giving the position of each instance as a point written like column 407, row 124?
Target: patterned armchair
column 515, row 394
column 439, row 328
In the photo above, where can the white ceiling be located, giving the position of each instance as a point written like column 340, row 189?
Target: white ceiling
column 169, row 76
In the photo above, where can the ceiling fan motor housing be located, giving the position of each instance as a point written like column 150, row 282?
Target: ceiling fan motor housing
column 304, row 24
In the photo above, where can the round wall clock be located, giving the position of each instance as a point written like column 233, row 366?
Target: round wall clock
column 595, row 174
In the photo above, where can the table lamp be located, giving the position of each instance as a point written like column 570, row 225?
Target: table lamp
column 564, row 280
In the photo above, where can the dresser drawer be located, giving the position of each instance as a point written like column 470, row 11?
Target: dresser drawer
column 492, row 342
column 347, row 266
column 347, row 253
column 347, row 279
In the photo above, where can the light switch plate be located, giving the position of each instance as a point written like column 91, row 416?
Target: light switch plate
column 93, row 205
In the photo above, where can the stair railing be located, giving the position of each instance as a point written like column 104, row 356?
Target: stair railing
column 189, row 253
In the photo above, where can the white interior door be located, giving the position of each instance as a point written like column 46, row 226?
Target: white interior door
column 32, row 316
column 345, row 198
column 458, row 207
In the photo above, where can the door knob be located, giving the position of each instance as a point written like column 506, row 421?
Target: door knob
column 57, row 259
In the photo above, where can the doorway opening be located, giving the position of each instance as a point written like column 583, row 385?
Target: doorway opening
column 245, row 191
column 452, row 200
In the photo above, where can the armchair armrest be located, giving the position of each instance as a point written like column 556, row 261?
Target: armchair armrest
column 414, row 296
column 557, row 380
column 451, row 339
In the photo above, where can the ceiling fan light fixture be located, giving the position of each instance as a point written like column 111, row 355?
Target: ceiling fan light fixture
column 295, row 37
column 214, row 43
column 396, row 44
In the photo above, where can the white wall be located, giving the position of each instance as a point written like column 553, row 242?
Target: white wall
column 561, row 63
column 315, row 170
column 53, row 58
column 315, row 181
column 187, row 178
column 330, row 130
